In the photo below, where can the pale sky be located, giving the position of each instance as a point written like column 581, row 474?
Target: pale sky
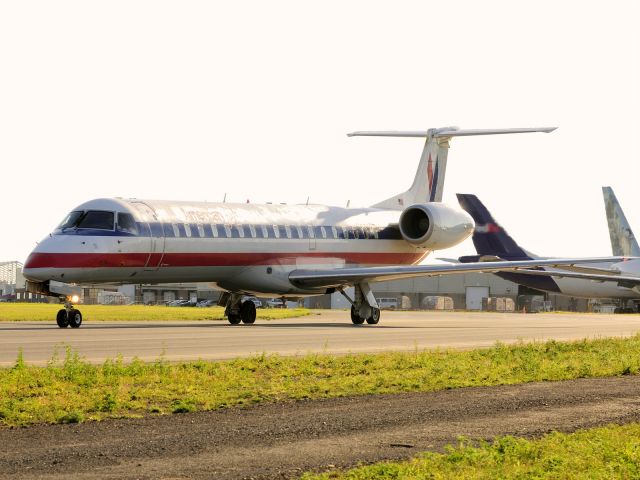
column 189, row 100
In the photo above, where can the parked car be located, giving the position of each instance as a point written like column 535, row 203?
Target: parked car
column 388, row 303
column 278, row 303
column 206, row 303
column 255, row 300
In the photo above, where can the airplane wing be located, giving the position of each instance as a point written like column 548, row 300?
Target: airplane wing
column 628, row 281
column 337, row 277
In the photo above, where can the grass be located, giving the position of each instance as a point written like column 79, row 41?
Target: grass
column 607, row 452
column 72, row 389
column 46, row 312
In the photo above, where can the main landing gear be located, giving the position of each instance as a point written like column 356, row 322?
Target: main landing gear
column 69, row 316
column 238, row 311
column 364, row 307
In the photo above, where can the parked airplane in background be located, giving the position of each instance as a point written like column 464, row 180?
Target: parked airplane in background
column 623, row 242
column 288, row 251
column 613, row 279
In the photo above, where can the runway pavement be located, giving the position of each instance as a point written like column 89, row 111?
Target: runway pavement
column 323, row 331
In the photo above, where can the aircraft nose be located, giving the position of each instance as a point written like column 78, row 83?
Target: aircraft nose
column 34, row 266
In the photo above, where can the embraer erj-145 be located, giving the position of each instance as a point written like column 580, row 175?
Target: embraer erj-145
column 613, row 279
column 288, row 251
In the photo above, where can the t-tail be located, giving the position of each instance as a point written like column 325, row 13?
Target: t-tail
column 428, row 184
column 489, row 238
column 623, row 242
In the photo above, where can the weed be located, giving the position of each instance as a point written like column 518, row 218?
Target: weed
column 30, row 394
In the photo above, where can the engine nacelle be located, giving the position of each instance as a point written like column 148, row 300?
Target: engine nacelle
column 435, row 225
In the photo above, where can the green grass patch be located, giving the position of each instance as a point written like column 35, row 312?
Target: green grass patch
column 71, row 388
column 46, row 312
column 607, row 452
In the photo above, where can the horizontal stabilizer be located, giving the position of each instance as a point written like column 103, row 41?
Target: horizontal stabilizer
column 449, row 132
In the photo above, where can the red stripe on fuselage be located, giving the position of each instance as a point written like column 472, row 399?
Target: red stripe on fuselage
column 133, row 260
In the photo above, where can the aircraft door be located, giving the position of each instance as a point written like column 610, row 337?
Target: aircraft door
column 156, row 236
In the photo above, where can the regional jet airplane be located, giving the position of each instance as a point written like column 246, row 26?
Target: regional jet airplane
column 623, row 242
column 613, row 279
column 288, row 251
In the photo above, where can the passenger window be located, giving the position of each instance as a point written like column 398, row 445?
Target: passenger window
column 240, row 231
column 200, row 230
column 334, row 231
column 290, row 231
column 187, row 230
column 284, row 232
column 300, row 232
column 206, row 228
column 252, row 230
column 97, row 219
column 168, row 230
column 176, row 232
column 214, row 229
column 227, row 231
column 276, row 231
column 127, row 224
column 311, row 232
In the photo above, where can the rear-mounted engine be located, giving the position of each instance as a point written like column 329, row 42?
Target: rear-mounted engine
column 435, row 225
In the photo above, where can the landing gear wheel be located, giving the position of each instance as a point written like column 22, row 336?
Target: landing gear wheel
column 75, row 318
column 375, row 316
column 355, row 317
column 248, row 312
column 61, row 318
column 234, row 318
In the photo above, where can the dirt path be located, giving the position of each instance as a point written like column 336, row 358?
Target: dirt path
column 282, row 440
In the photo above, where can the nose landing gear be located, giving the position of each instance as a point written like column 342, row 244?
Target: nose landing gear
column 69, row 316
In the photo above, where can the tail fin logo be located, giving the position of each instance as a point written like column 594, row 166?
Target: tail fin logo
column 488, row 228
column 432, row 178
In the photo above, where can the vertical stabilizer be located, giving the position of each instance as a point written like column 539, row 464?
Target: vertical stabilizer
column 623, row 242
column 428, row 183
column 489, row 237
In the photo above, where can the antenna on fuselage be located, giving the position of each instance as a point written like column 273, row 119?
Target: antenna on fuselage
column 224, row 199
column 307, row 204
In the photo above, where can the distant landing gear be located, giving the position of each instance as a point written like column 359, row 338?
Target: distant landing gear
column 69, row 316
column 363, row 306
column 238, row 311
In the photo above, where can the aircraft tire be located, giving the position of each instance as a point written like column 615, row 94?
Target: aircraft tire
column 234, row 318
column 248, row 312
column 355, row 317
column 75, row 318
column 61, row 318
column 375, row 316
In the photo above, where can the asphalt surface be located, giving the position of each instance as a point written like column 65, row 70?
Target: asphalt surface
column 324, row 331
column 283, row 440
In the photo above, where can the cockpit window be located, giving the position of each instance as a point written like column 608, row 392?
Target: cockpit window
column 97, row 219
column 126, row 223
column 71, row 220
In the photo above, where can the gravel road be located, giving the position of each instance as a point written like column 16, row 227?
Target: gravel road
column 282, row 440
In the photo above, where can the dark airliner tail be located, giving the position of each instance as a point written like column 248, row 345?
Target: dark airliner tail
column 489, row 238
